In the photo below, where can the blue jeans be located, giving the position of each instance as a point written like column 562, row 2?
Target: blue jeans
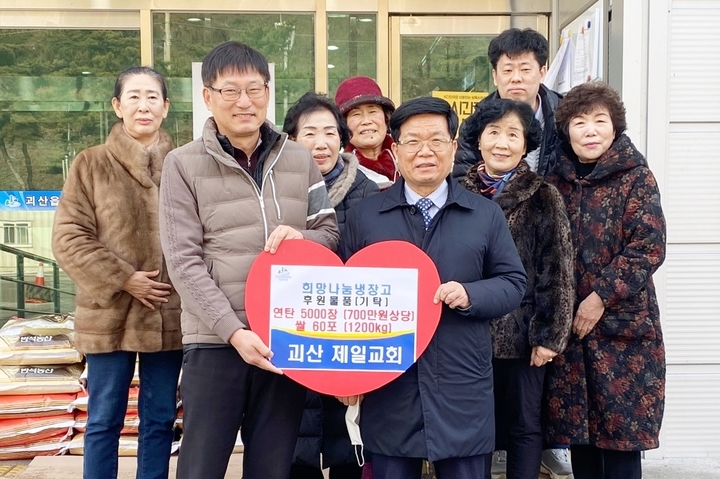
column 109, row 377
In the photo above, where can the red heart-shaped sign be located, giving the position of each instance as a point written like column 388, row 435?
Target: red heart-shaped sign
column 387, row 257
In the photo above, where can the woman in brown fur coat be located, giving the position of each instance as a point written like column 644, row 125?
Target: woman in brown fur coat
column 106, row 238
column 525, row 340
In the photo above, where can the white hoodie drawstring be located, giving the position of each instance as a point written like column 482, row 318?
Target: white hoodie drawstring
column 269, row 173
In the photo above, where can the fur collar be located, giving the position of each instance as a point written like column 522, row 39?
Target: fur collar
column 143, row 164
column 522, row 185
column 342, row 185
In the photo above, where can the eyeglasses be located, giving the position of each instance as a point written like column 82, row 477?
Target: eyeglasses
column 435, row 144
column 254, row 91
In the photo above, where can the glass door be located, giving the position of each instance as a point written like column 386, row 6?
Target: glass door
column 447, row 55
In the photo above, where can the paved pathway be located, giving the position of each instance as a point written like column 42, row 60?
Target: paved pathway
column 70, row 467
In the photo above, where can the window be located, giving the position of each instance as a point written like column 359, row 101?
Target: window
column 352, row 47
column 55, row 99
column 16, row 233
column 55, row 90
column 445, row 62
column 286, row 39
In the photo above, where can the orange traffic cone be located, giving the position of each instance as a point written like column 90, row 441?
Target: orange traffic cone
column 40, row 276
column 34, row 293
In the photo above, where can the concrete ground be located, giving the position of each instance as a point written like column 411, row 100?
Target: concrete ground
column 681, row 469
column 70, row 467
column 673, row 469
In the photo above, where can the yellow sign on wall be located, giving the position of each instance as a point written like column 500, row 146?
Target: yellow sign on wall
column 463, row 102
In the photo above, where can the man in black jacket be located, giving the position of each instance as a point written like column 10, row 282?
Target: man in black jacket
column 442, row 407
column 518, row 58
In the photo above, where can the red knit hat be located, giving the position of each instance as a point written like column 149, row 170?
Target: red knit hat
column 356, row 91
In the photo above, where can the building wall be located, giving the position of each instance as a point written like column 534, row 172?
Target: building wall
column 40, row 236
column 683, row 140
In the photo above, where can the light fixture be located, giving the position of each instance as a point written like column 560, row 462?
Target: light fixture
column 330, row 65
column 365, row 20
column 194, row 19
column 333, row 47
column 85, row 73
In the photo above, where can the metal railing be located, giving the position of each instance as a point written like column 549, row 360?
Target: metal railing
column 21, row 285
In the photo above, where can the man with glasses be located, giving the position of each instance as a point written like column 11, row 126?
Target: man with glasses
column 240, row 189
column 441, row 409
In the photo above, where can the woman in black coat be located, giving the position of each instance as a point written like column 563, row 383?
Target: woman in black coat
column 526, row 339
column 316, row 123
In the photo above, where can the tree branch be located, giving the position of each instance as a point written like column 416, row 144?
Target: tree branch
column 8, row 161
column 28, row 167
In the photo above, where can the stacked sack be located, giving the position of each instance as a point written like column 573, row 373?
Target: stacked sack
column 129, row 434
column 39, row 381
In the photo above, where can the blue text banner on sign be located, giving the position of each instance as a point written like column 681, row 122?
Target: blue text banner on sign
column 41, row 200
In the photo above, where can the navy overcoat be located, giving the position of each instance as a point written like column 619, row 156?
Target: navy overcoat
column 442, row 406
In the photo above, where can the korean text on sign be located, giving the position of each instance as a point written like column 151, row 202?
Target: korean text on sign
column 343, row 318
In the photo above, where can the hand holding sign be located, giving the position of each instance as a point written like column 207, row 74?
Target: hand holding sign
column 343, row 330
column 253, row 350
column 453, row 294
column 280, row 234
column 350, row 400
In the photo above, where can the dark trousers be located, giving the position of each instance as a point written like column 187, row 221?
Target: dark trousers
column 347, row 471
column 305, row 472
column 590, row 462
column 518, row 389
column 221, row 393
column 473, row 467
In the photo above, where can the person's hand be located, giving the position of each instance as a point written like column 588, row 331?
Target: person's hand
column 453, row 294
column 281, row 233
column 253, row 350
column 350, row 400
column 145, row 290
column 588, row 314
column 541, row 355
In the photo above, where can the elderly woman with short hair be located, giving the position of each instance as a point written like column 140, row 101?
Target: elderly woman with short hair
column 607, row 389
column 525, row 340
column 316, row 123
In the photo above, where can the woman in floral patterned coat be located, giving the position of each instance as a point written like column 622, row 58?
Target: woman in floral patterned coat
column 607, row 389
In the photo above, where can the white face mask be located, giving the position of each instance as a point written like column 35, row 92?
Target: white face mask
column 352, row 422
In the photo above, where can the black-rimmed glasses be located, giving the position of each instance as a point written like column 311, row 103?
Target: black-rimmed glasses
column 254, row 91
